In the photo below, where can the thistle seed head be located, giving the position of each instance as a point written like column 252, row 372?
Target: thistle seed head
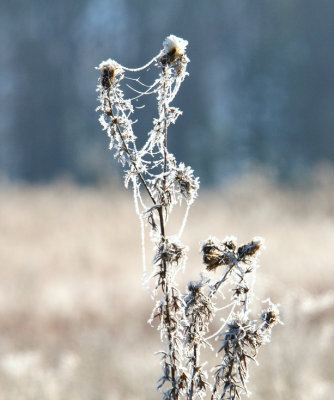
column 216, row 253
column 170, row 252
column 194, row 286
column 174, row 50
column 212, row 254
column 270, row 316
column 186, row 183
column 250, row 249
column 109, row 70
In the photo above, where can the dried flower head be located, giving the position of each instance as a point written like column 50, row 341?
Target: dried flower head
column 270, row 316
column 175, row 44
column 186, row 184
column 198, row 305
column 109, row 70
column 212, row 253
column 170, row 252
column 250, row 249
column 174, row 49
column 195, row 286
column 216, row 253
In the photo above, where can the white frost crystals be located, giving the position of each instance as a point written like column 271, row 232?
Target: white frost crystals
column 175, row 44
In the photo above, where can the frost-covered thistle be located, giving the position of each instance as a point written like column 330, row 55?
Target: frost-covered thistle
column 183, row 319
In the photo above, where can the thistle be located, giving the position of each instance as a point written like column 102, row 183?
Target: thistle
column 159, row 183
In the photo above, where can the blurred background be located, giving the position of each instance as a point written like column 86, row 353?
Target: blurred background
column 260, row 91
column 257, row 127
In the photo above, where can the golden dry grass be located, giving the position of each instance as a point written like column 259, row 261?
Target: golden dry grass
column 73, row 312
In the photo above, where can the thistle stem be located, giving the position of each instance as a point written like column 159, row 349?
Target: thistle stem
column 126, row 149
column 194, row 365
column 166, row 287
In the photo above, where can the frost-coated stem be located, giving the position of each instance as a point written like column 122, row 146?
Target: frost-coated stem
column 133, row 161
column 194, row 371
column 165, row 129
column 165, row 265
column 166, row 291
column 166, row 287
column 221, row 281
column 172, row 357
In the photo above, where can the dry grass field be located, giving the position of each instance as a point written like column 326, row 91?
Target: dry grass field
column 73, row 312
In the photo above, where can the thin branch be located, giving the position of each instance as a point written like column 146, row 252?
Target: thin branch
column 126, row 148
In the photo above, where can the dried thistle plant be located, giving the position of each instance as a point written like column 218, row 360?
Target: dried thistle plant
column 184, row 319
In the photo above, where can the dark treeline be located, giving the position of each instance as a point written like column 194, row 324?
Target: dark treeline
column 260, row 90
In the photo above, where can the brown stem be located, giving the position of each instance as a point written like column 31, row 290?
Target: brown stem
column 166, row 288
column 191, row 390
column 169, row 333
column 164, row 264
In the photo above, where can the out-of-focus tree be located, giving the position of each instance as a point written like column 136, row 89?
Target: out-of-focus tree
column 260, row 90
column 45, row 105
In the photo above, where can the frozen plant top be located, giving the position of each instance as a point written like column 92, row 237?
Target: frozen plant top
column 173, row 42
column 151, row 167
